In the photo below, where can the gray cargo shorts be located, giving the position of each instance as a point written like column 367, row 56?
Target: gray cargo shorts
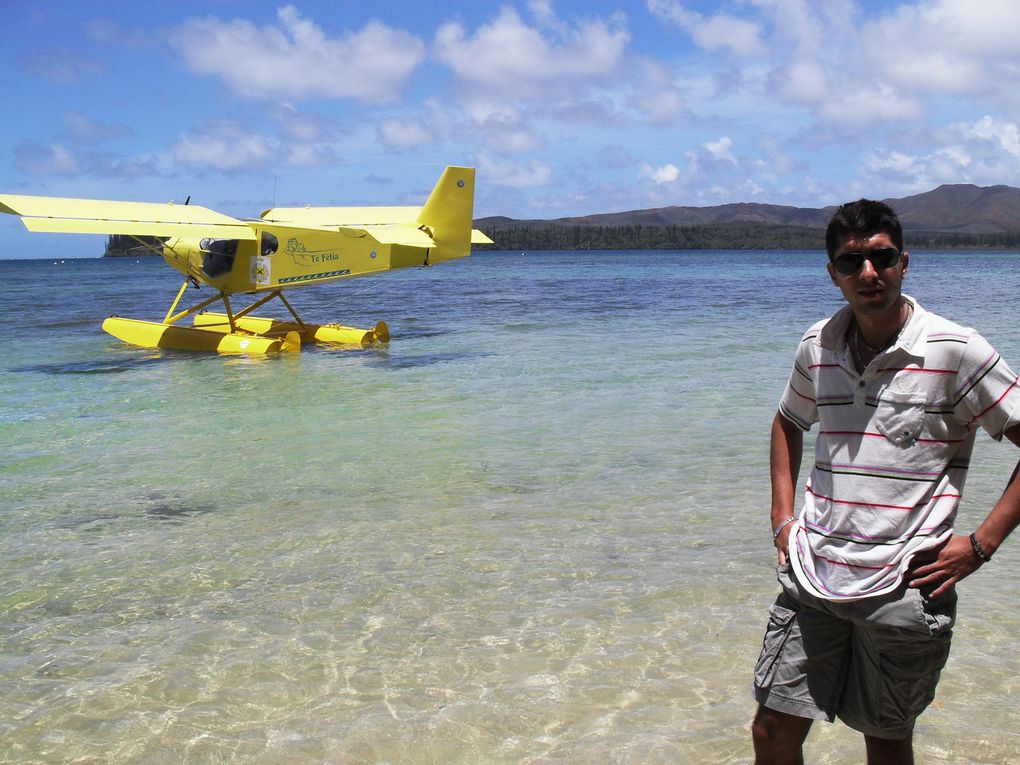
column 874, row 663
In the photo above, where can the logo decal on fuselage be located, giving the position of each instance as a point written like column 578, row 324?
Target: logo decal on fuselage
column 305, row 257
column 260, row 269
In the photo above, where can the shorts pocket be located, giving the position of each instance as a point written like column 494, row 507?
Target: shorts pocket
column 939, row 613
column 781, row 620
column 909, row 673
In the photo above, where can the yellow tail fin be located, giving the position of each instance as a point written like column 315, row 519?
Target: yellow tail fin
column 448, row 212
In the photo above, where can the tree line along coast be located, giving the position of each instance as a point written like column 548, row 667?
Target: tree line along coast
column 724, row 237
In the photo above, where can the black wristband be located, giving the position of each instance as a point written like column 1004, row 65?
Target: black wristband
column 978, row 549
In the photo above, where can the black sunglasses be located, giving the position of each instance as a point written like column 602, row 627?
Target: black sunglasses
column 848, row 263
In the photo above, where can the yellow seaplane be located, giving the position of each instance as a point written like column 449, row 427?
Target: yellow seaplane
column 285, row 247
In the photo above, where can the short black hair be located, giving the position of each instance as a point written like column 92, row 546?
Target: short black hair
column 865, row 217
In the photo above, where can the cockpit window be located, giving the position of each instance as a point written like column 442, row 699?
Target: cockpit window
column 218, row 255
column 220, row 246
column 270, row 243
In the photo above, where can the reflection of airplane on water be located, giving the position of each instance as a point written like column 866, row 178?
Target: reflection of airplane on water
column 233, row 256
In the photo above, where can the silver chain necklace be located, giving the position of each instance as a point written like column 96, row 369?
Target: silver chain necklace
column 857, row 339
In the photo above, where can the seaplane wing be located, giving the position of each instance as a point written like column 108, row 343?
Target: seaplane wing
column 98, row 216
column 341, row 216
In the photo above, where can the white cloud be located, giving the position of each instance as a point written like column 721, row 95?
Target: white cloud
column 591, row 111
column 308, row 155
column 297, row 60
column 51, row 159
column 516, row 141
column 774, row 160
column 946, row 46
column 511, row 57
column 901, row 173
column 501, row 126
column 502, row 172
column 56, row 159
column 804, row 81
column 297, row 125
column 932, row 70
column 722, row 149
column 740, row 36
column 229, row 147
column 543, row 12
column 403, row 134
column 889, row 58
column 482, row 110
column 870, row 107
column 960, row 25
column 984, row 152
column 667, row 173
column 512, row 65
column 224, row 146
column 655, row 94
column 1005, row 134
column 509, row 137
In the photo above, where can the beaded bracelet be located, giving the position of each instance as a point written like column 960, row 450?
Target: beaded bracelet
column 978, row 549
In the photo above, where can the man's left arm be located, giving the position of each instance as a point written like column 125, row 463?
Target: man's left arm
column 957, row 558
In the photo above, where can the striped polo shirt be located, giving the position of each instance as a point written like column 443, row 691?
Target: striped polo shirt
column 892, row 449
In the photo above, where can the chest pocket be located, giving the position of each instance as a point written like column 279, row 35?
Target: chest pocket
column 900, row 417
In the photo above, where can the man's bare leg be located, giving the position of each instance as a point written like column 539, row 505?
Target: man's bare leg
column 890, row 751
column 779, row 737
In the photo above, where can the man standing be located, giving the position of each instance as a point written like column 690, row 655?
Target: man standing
column 862, row 627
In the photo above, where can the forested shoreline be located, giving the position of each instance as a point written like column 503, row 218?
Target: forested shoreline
column 533, row 238
column 723, row 237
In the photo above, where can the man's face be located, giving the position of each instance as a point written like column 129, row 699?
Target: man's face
column 870, row 289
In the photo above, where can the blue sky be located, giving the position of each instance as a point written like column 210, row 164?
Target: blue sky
column 565, row 108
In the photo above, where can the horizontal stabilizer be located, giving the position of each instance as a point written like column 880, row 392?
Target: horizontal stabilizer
column 97, row 216
column 410, row 236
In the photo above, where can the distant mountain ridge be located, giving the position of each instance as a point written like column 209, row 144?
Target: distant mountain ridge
column 961, row 208
column 948, row 208
column 950, row 216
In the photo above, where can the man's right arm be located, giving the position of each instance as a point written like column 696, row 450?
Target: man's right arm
column 787, row 446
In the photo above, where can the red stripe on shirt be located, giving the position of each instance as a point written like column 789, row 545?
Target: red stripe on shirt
column 919, row 371
column 997, row 401
column 902, row 508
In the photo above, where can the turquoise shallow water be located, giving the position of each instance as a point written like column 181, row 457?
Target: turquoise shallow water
column 532, row 529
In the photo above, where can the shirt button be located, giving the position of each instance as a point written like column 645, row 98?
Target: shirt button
column 861, row 384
